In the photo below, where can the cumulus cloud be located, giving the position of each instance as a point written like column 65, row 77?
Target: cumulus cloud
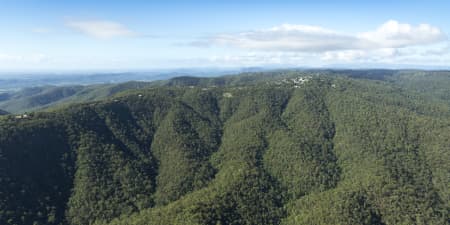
column 257, row 58
column 373, row 55
column 287, row 37
column 396, row 35
column 100, row 29
column 294, row 44
column 306, row 38
column 436, row 50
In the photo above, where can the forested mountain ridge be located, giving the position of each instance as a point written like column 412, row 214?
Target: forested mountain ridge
column 292, row 149
column 431, row 84
column 43, row 97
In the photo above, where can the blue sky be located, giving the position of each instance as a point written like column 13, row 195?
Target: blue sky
column 138, row 35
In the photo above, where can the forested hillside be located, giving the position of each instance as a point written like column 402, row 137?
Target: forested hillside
column 431, row 84
column 38, row 98
column 285, row 147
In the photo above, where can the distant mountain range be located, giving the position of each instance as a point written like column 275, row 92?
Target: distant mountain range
column 26, row 94
column 15, row 81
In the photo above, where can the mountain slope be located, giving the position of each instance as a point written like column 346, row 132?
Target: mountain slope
column 37, row 98
column 331, row 150
column 432, row 84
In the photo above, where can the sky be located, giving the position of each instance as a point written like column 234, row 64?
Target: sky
column 139, row 35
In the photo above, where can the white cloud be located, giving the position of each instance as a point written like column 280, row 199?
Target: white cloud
column 100, row 29
column 372, row 55
column 290, row 44
column 253, row 58
column 306, row 38
column 287, row 37
column 393, row 34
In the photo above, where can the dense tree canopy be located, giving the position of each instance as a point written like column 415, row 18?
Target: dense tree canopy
column 272, row 150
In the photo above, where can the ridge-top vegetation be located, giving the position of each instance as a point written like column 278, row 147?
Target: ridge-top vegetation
column 284, row 147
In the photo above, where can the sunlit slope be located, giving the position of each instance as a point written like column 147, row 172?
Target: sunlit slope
column 328, row 150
